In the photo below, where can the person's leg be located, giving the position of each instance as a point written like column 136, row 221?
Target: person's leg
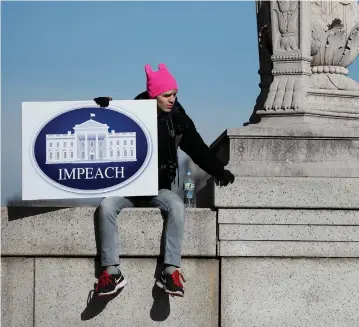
column 111, row 278
column 172, row 209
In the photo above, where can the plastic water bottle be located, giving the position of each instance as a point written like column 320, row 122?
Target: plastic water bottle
column 189, row 191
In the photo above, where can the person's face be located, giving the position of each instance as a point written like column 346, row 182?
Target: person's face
column 166, row 100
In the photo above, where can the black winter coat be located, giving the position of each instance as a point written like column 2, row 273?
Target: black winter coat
column 177, row 129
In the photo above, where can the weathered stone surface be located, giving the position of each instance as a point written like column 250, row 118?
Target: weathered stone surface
column 289, row 292
column 63, row 301
column 295, row 157
column 288, row 233
column 71, row 231
column 17, row 292
column 292, row 149
column 288, row 249
column 289, row 192
column 288, row 216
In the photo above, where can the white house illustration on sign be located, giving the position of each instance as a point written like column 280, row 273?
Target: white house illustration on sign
column 90, row 142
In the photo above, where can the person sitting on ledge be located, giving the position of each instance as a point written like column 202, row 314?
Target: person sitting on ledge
column 175, row 128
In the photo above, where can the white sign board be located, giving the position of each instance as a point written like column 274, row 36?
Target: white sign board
column 79, row 150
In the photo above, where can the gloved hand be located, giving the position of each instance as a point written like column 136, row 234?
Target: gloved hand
column 225, row 178
column 103, row 102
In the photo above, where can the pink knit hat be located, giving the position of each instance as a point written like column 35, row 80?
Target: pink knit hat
column 160, row 81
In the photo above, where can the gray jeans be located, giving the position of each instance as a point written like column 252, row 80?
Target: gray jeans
column 172, row 209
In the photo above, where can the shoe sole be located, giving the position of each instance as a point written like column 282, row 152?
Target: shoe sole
column 117, row 288
column 177, row 293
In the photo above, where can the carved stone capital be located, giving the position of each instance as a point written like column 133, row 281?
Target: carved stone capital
column 311, row 45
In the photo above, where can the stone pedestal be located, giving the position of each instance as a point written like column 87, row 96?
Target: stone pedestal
column 295, row 200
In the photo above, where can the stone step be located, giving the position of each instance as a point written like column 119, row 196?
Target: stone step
column 289, row 192
column 289, row 249
column 312, row 233
column 71, row 232
column 289, row 217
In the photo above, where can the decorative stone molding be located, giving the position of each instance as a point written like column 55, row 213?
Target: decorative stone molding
column 291, row 72
column 290, row 58
column 330, row 69
column 286, row 35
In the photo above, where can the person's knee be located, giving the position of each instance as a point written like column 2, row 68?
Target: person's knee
column 107, row 205
column 177, row 208
column 174, row 204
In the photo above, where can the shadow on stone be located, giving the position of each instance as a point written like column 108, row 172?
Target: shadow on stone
column 97, row 232
column 15, row 213
column 96, row 304
column 161, row 303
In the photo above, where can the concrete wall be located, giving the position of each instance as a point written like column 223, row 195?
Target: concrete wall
column 243, row 267
column 50, row 264
column 290, row 292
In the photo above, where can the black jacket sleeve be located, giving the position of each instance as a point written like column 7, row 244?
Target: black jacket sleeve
column 193, row 145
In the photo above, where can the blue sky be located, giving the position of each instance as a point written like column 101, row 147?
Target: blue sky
column 79, row 50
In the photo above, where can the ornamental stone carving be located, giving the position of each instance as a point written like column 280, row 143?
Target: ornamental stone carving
column 335, row 43
column 287, row 18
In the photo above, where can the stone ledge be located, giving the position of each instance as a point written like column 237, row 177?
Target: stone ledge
column 289, row 217
column 289, row 192
column 71, row 232
column 304, row 127
column 311, row 233
column 288, row 249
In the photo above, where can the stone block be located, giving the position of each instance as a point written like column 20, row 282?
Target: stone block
column 288, row 216
column 235, row 232
column 295, row 157
column 289, row 292
column 17, row 292
column 63, row 301
column 289, row 192
column 292, row 148
column 288, row 249
column 71, row 231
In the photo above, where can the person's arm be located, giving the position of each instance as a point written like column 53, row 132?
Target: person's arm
column 194, row 146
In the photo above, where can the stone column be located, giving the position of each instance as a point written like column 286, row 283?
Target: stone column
column 291, row 215
column 311, row 44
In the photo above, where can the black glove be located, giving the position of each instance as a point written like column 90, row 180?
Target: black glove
column 225, row 178
column 103, row 102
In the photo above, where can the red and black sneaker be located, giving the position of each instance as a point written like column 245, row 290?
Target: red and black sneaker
column 109, row 284
column 171, row 283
